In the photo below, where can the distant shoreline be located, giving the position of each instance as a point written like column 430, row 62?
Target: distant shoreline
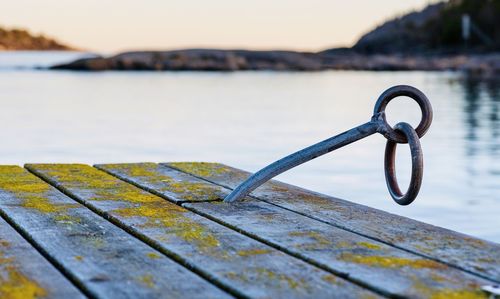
column 20, row 39
column 241, row 60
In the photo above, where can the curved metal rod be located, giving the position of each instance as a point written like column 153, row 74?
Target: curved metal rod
column 378, row 124
column 303, row 156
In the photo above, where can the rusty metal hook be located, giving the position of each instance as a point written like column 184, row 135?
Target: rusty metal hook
column 401, row 133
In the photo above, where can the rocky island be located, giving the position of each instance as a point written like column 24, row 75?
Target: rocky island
column 429, row 40
column 20, row 39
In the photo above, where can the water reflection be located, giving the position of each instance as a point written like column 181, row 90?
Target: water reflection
column 249, row 119
column 482, row 116
column 481, row 101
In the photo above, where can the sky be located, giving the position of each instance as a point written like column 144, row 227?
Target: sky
column 112, row 26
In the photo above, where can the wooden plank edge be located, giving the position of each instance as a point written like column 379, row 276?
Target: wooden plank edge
column 74, row 191
column 102, row 168
column 477, row 274
column 186, row 205
column 25, row 235
column 143, row 238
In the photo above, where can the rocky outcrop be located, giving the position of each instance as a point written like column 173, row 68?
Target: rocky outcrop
column 486, row 65
column 236, row 60
column 201, row 60
column 437, row 29
column 18, row 39
column 428, row 40
column 404, row 34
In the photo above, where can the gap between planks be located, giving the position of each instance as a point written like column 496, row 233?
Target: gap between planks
column 254, row 237
column 36, row 204
column 146, row 240
column 64, row 285
column 152, row 242
column 113, row 169
column 228, row 187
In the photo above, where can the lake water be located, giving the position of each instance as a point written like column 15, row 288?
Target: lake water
column 249, row 119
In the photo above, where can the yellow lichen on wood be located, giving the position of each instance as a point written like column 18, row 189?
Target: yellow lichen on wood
column 32, row 191
column 94, row 240
column 4, row 243
column 353, row 245
column 157, row 211
column 391, row 262
column 190, row 191
column 252, row 252
column 67, row 218
column 105, row 187
column 459, row 294
column 44, row 205
column 264, row 275
column 5, row 260
column 291, row 282
column 369, row 245
column 165, row 215
column 319, row 241
column 74, row 174
column 201, row 169
column 446, row 293
column 147, row 280
column 153, row 255
column 330, row 279
column 14, row 284
column 184, row 190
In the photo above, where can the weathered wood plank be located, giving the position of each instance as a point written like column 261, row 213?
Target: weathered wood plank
column 465, row 252
column 25, row 273
column 370, row 263
column 180, row 189
column 239, row 263
column 102, row 259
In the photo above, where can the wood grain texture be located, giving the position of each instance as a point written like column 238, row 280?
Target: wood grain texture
column 25, row 273
column 105, row 261
column 376, row 265
column 465, row 252
column 246, row 267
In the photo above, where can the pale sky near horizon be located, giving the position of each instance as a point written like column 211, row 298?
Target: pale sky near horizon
column 110, row 26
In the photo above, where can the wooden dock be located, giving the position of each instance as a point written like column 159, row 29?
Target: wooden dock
column 150, row 230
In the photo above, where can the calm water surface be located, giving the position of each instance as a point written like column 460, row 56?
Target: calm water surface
column 249, row 119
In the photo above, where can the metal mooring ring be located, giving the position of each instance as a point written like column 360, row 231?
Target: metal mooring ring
column 417, row 169
column 415, row 94
column 402, row 133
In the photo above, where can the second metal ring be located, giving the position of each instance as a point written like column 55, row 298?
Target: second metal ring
column 417, row 169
